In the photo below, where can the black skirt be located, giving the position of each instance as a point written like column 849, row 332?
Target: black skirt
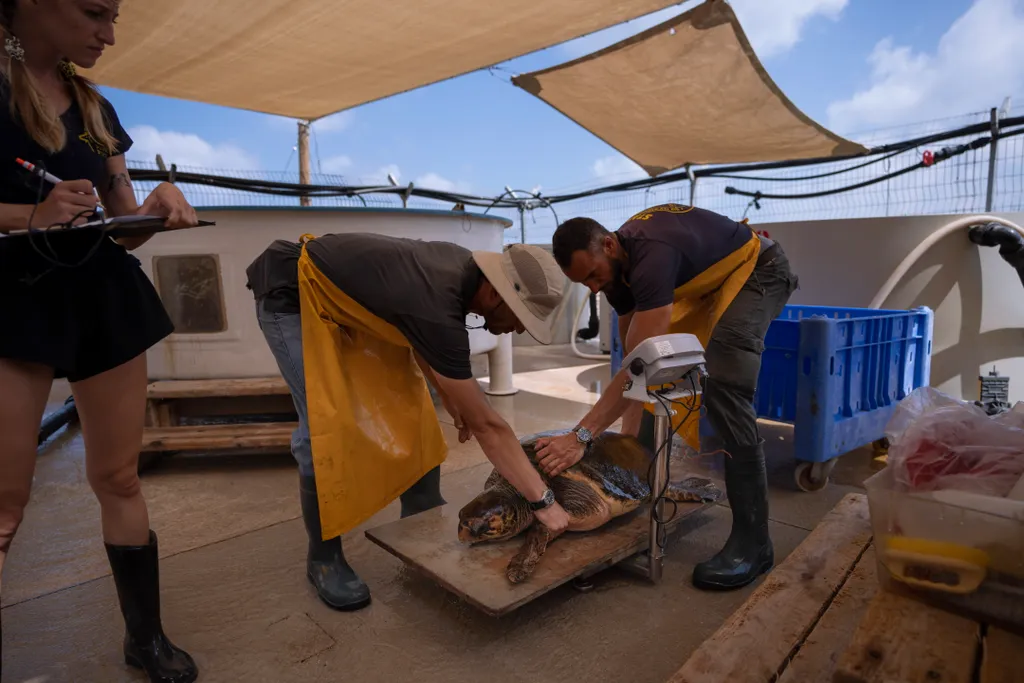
column 82, row 320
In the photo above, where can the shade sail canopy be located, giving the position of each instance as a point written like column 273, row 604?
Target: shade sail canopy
column 310, row 58
column 688, row 91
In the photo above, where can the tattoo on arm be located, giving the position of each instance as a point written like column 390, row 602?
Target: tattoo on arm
column 119, row 180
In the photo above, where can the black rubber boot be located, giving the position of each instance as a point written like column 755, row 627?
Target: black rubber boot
column 748, row 553
column 424, row 494
column 335, row 582
column 137, row 577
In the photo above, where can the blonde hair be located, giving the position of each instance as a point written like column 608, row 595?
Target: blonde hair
column 38, row 118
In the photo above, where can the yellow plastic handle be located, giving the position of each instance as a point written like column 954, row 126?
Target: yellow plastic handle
column 934, row 572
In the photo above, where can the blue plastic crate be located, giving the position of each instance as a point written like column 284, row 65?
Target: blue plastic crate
column 836, row 374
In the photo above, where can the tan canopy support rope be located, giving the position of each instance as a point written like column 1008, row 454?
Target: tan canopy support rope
column 307, row 59
column 688, row 91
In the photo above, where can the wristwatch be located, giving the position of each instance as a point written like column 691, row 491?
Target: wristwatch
column 546, row 501
column 583, row 434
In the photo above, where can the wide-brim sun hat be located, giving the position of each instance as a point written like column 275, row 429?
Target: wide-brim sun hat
column 529, row 280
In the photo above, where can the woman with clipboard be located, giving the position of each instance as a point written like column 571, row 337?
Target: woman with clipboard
column 75, row 303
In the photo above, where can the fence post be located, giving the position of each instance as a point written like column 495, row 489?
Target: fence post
column 994, row 119
column 304, row 165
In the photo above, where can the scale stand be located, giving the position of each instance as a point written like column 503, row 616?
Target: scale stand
column 675, row 359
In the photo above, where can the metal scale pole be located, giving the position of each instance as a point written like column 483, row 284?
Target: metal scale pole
column 662, row 448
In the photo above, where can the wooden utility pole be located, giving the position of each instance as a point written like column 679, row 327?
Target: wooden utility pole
column 304, row 159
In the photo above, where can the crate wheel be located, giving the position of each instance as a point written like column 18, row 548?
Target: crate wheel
column 813, row 476
column 881, row 446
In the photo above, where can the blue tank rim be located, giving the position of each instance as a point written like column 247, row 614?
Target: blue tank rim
column 360, row 209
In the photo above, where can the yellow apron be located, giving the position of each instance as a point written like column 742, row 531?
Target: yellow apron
column 372, row 425
column 697, row 307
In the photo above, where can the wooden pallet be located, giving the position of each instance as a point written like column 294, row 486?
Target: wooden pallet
column 173, row 409
column 821, row 617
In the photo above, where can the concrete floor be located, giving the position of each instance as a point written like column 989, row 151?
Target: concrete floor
column 236, row 597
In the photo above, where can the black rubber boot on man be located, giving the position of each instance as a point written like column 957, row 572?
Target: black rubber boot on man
column 424, row 494
column 748, row 553
column 335, row 582
column 137, row 578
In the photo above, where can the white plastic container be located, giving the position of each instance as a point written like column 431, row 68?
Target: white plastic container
column 960, row 551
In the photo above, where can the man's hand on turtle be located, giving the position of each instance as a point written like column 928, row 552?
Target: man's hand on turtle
column 555, row 518
column 557, row 454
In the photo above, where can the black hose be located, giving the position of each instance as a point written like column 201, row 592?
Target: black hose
column 593, row 325
column 1009, row 241
column 66, row 414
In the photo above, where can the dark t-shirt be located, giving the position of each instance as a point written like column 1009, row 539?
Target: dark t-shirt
column 669, row 245
column 81, row 158
column 422, row 288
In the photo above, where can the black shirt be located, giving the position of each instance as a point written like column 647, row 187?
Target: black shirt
column 81, row 158
column 422, row 288
column 669, row 245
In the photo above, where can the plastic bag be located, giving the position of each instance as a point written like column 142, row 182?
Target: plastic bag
column 940, row 443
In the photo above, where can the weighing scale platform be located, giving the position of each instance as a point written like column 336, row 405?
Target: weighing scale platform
column 429, row 543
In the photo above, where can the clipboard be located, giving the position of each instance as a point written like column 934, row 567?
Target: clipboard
column 118, row 226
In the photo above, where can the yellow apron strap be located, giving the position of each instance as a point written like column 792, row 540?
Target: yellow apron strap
column 697, row 307
column 372, row 425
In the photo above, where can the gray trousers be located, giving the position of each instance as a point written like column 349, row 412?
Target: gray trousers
column 283, row 333
column 733, row 354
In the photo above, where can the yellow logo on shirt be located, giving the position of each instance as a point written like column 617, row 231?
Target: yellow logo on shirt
column 95, row 146
column 661, row 208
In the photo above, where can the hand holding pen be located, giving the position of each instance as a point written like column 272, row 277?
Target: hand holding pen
column 70, row 201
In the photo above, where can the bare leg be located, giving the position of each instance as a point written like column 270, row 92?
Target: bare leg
column 24, row 388
column 521, row 567
column 112, row 407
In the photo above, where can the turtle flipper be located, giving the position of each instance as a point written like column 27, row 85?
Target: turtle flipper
column 693, row 490
column 521, row 567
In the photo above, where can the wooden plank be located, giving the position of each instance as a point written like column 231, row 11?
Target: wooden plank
column 752, row 645
column 1003, row 658
column 429, row 543
column 901, row 639
column 204, row 388
column 816, row 660
column 218, row 437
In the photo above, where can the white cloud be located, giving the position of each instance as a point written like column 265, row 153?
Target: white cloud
column 380, row 176
column 976, row 64
column 617, row 169
column 335, row 164
column 433, row 181
column 187, row 149
column 773, row 27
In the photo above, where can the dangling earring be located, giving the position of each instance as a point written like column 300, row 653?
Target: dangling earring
column 14, row 49
column 67, row 69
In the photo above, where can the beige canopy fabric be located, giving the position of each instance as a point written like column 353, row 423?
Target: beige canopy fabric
column 688, row 91
column 310, row 58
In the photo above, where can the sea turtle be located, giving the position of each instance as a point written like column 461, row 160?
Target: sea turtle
column 611, row 479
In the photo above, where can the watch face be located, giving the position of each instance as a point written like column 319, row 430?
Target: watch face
column 549, row 497
column 583, row 435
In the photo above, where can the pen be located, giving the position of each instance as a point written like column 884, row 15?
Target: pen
column 50, row 178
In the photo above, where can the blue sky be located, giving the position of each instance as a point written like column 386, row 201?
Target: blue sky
column 852, row 65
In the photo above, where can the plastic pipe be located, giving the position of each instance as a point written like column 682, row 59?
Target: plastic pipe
column 572, row 333
column 926, row 244
column 499, row 368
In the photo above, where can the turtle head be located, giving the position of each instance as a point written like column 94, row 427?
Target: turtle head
column 491, row 516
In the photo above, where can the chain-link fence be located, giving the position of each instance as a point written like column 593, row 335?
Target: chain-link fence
column 948, row 176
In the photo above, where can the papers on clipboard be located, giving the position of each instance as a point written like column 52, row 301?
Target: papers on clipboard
column 118, row 226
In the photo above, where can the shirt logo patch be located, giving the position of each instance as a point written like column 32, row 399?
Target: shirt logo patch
column 661, row 208
column 95, row 146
